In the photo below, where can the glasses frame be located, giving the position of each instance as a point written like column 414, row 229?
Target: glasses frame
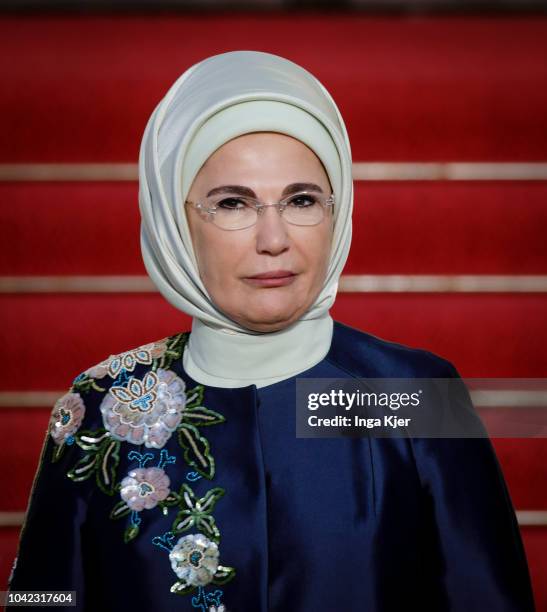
column 259, row 206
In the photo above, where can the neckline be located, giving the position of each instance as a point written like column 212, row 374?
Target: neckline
column 253, row 387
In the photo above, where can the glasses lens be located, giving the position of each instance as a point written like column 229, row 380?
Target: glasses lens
column 233, row 212
column 305, row 208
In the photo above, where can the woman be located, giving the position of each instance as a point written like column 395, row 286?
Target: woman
column 191, row 488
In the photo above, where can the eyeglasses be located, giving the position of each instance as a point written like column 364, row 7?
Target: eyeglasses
column 235, row 212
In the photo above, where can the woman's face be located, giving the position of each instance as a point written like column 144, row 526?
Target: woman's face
column 266, row 163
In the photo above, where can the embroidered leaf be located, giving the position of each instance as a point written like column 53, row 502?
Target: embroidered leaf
column 108, row 459
column 187, row 497
column 84, row 468
column 196, row 449
column 150, row 381
column 135, row 387
column 121, row 394
column 208, row 501
column 208, row 527
column 182, row 523
column 196, row 512
column 171, row 500
column 175, row 348
column 202, row 416
column 91, row 440
column 119, row 510
column 57, row 452
column 130, row 533
column 181, row 587
column 223, row 574
column 84, row 383
column 115, row 365
column 143, row 356
column 194, row 397
column 129, row 362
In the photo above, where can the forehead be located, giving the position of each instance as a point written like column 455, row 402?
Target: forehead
column 263, row 156
column 269, row 143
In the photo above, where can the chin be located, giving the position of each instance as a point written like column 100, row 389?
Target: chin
column 268, row 320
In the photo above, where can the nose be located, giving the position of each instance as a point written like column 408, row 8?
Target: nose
column 271, row 232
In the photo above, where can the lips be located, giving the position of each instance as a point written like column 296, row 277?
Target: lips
column 274, row 274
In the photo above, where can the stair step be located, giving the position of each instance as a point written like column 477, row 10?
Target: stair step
column 408, row 89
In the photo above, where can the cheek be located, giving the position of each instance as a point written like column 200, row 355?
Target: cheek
column 316, row 250
column 219, row 255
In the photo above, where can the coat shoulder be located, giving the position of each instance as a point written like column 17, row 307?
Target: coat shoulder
column 81, row 406
column 366, row 355
column 132, row 359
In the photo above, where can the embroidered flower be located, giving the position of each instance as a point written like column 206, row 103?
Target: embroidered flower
column 143, row 488
column 194, row 559
column 113, row 365
column 66, row 417
column 145, row 411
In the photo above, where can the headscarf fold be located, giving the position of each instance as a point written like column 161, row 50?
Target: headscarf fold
column 215, row 100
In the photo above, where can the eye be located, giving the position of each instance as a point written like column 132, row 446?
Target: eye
column 231, row 204
column 303, row 200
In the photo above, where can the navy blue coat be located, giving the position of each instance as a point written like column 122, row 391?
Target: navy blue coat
column 207, row 498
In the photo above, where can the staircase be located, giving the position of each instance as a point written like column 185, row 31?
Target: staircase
column 451, row 258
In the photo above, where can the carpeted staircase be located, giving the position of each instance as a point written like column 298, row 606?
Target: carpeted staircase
column 78, row 90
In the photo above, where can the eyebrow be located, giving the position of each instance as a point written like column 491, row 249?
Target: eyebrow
column 246, row 191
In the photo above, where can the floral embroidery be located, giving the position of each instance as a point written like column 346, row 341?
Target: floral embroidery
column 160, row 354
column 144, row 488
column 195, row 560
column 113, row 365
column 102, row 446
column 146, row 411
column 66, row 417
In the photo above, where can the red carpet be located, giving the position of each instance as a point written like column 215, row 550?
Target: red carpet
column 80, row 89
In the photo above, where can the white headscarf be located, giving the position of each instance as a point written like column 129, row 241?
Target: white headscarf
column 215, row 100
